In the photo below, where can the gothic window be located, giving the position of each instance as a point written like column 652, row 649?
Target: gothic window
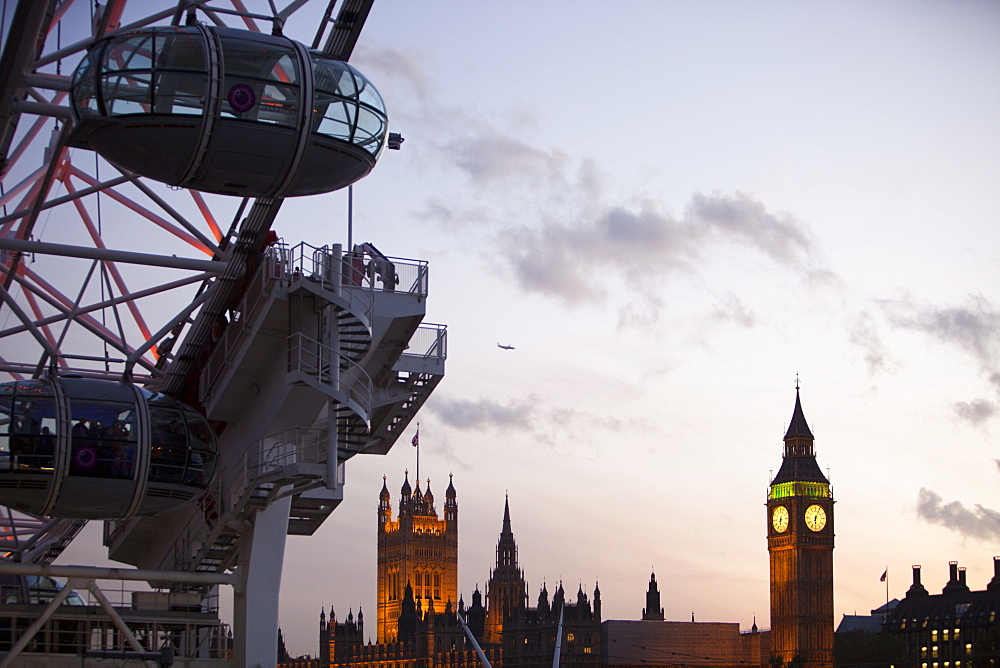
column 437, row 586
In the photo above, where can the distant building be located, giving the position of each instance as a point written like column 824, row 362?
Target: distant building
column 418, row 619
column 652, row 612
column 416, row 550
column 663, row 643
column 528, row 635
column 868, row 623
column 655, row 642
column 956, row 628
column 859, row 640
column 506, row 591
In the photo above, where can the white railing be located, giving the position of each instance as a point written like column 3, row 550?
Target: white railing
column 295, row 445
column 329, row 367
column 429, row 340
column 399, row 275
column 330, row 269
column 268, row 455
column 327, row 267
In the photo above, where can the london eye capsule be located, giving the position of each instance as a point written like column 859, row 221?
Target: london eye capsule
column 98, row 449
column 227, row 111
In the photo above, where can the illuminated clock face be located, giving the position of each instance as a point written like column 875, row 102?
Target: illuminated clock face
column 779, row 519
column 815, row 517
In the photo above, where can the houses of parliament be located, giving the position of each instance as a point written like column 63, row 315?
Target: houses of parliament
column 420, row 612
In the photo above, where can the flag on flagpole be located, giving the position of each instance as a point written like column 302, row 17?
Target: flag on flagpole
column 416, row 438
column 884, row 575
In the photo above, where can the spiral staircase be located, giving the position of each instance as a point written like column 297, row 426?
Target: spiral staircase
column 325, row 352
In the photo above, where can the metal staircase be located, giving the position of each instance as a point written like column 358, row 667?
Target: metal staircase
column 291, row 463
column 48, row 539
column 345, row 334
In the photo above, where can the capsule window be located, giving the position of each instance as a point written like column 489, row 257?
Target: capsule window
column 130, row 53
column 168, row 455
column 202, row 459
column 28, row 427
column 103, row 439
column 127, row 93
column 84, row 94
column 261, row 82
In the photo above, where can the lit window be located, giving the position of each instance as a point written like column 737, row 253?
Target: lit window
column 570, row 637
column 934, row 636
column 968, row 648
column 587, row 650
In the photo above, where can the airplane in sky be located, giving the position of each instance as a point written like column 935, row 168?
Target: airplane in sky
column 499, row 345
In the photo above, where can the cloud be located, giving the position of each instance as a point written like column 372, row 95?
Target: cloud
column 556, row 427
column 979, row 523
column 548, row 221
column 574, row 258
column 482, row 414
column 496, row 156
column 740, row 217
column 864, row 334
column 732, row 309
column 976, row 411
column 388, row 64
column 972, row 328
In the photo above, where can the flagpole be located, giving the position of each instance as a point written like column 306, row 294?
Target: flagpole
column 887, row 591
column 416, row 443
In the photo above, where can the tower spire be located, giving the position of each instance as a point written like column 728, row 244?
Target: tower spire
column 506, row 592
column 505, row 529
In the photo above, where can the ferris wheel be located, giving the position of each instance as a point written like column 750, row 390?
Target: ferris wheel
column 168, row 365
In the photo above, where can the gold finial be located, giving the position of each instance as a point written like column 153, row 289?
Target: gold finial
column 796, row 382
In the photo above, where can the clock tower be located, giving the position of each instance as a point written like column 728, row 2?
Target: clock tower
column 800, row 544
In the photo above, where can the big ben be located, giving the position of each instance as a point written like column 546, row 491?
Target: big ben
column 800, row 544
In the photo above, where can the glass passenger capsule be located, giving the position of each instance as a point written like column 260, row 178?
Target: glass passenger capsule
column 227, row 111
column 98, row 449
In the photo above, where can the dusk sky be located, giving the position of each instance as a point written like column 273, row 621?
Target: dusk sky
column 670, row 209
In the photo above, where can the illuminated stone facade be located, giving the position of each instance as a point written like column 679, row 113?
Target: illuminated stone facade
column 800, row 544
column 418, row 550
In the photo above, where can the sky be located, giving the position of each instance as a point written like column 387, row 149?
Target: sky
column 672, row 210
